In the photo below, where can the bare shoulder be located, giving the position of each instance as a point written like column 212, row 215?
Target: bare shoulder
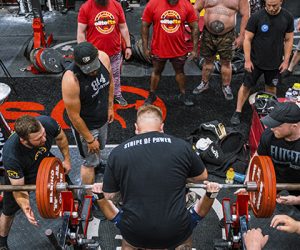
column 104, row 58
column 69, row 80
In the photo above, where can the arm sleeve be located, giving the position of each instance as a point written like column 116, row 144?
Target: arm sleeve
column 290, row 27
column 148, row 14
column 109, row 181
column 191, row 15
column 13, row 168
column 197, row 165
column 122, row 18
column 262, row 148
column 252, row 24
column 82, row 17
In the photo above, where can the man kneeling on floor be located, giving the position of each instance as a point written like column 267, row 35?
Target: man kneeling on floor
column 150, row 171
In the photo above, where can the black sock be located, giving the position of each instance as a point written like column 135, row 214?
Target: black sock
column 3, row 240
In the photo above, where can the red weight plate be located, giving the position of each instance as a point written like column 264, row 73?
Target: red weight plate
column 48, row 200
column 263, row 201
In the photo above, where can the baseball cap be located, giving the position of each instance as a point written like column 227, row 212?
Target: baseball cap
column 287, row 112
column 86, row 57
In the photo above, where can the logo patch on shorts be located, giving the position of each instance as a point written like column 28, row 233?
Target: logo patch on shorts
column 275, row 81
column 264, row 28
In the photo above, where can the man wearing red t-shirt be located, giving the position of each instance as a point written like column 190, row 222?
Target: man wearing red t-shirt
column 102, row 23
column 168, row 18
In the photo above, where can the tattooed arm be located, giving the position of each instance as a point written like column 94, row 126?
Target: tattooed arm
column 244, row 10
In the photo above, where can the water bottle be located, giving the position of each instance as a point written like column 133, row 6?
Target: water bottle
column 230, row 176
column 240, row 178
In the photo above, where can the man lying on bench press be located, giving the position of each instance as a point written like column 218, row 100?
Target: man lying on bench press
column 150, row 171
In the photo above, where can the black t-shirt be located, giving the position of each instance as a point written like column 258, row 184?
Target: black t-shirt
column 20, row 161
column 150, row 171
column 94, row 93
column 285, row 156
column 267, row 47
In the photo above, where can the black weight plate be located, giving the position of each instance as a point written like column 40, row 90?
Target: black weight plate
column 51, row 60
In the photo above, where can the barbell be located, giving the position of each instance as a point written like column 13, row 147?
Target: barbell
column 50, row 182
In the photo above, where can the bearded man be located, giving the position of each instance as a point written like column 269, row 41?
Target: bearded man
column 219, row 37
column 169, row 18
column 102, row 23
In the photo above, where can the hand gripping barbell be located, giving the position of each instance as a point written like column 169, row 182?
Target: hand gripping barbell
column 50, row 183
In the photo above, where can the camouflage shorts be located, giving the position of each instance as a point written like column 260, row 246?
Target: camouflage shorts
column 222, row 44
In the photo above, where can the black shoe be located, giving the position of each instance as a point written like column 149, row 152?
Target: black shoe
column 150, row 99
column 286, row 74
column 184, row 98
column 236, row 118
column 121, row 100
column 4, row 247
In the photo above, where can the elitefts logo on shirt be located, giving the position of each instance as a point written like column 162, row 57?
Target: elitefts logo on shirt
column 170, row 21
column 105, row 22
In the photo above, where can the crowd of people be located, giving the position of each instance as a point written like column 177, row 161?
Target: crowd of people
column 151, row 184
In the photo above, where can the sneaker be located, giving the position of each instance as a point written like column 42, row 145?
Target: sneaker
column 4, row 247
column 150, row 99
column 120, row 99
column 286, row 74
column 200, row 88
column 227, row 92
column 191, row 199
column 236, row 118
column 184, row 98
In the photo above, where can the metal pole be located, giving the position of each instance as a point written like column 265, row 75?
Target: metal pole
column 250, row 186
column 79, row 187
column 288, row 186
column 17, row 187
column 227, row 186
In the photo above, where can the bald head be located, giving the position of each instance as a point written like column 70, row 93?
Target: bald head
column 273, row 7
column 149, row 118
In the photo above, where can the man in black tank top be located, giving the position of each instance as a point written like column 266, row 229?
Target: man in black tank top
column 88, row 90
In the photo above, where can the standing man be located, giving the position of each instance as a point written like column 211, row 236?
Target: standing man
column 267, row 48
column 102, row 23
column 22, row 154
column 168, row 18
column 219, row 37
column 87, row 90
column 296, row 56
column 281, row 141
column 150, row 171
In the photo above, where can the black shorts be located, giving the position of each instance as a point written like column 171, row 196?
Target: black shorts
column 10, row 206
column 272, row 77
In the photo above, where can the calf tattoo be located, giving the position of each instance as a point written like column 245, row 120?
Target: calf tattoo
column 216, row 26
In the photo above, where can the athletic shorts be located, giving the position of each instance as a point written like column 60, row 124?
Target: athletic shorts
column 272, row 77
column 180, row 60
column 212, row 44
column 196, row 218
column 91, row 159
column 10, row 206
